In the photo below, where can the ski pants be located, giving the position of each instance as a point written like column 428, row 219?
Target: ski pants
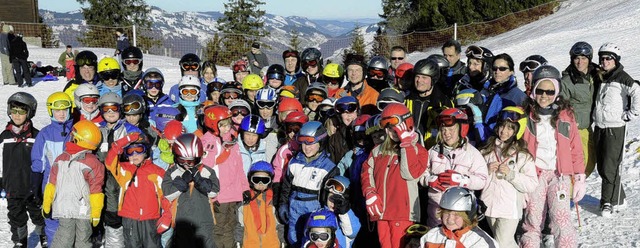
column 552, row 195
column 50, row 227
column 7, row 70
column 504, row 231
column 73, row 231
column 588, row 147
column 17, row 214
column 390, row 232
column 610, row 142
column 300, row 206
column 114, row 237
column 140, row 233
column 22, row 72
column 226, row 215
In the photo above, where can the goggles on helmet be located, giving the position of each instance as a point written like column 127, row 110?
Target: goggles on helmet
column 306, row 64
column 417, row 229
column 332, row 81
column 319, row 236
column 292, row 127
column 314, row 98
column 265, row 104
column 89, row 99
column 110, row 108
column 153, row 83
column 260, row 180
column 85, row 61
column 109, row 75
column 190, row 66
column 376, row 73
column 510, row 116
column 581, row 50
column 446, row 121
column 394, row 120
column 290, row 54
column 477, row 52
column 529, row 65
column 18, row 111
column 230, row 95
column 131, row 61
column 59, row 104
column 310, row 140
column 215, row 86
column 277, row 76
column 189, row 91
column 346, row 107
column 134, row 149
column 131, row 107
column 235, row 111
column 335, row 186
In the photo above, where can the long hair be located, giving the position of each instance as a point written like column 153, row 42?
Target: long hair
column 513, row 144
column 533, row 109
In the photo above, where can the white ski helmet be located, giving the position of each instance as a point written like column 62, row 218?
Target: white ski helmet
column 83, row 90
column 612, row 49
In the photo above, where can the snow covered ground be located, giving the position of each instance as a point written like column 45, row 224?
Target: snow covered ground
column 592, row 21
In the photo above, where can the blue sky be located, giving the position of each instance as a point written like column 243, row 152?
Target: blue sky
column 315, row 9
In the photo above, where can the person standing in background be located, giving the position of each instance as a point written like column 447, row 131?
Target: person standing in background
column 67, row 61
column 18, row 57
column 256, row 58
column 7, row 70
column 122, row 41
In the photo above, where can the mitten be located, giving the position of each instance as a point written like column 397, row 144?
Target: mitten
column 340, row 204
column 579, row 187
column 180, row 184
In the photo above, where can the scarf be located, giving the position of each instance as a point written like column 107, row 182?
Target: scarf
column 256, row 211
column 455, row 235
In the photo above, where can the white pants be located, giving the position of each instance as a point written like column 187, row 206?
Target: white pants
column 504, row 231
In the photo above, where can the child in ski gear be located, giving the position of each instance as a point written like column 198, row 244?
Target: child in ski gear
column 336, row 198
column 76, row 172
column 458, row 212
column 252, row 146
column 109, row 73
column 86, row 98
column 553, row 140
column 22, row 186
column 193, row 220
column 320, row 230
column 512, row 174
column 187, row 103
column 266, row 101
column 390, row 176
column 258, row 225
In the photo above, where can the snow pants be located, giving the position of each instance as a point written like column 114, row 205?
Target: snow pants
column 114, row 237
column 609, row 143
column 504, row 231
column 22, row 72
column 7, row 70
column 300, row 206
column 552, row 195
column 72, row 231
column 390, row 232
column 588, row 147
column 17, row 214
column 226, row 215
column 50, row 227
column 140, row 233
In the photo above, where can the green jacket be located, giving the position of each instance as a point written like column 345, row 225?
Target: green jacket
column 579, row 89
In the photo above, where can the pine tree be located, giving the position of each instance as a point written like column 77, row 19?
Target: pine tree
column 242, row 26
column 212, row 50
column 357, row 44
column 294, row 42
column 380, row 43
column 112, row 13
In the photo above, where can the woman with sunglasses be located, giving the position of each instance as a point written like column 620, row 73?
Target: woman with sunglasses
column 553, row 140
column 145, row 212
column 347, row 109
column 315, row 94
column 453, row 161
column 304, row 178
column 320, row 230
column 390, row 176
column 335, row 197
column 109, row 73
column 512, row 174
column 333, row 76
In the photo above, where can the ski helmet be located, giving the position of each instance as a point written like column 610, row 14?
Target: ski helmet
column 514, row 114
column 429, row 68
column 611, row 49
column 311, row 132
column 581, row 48
column 460, row 199
column 131, row 53
column 403, row 68
column 321, row 218
column 387, row 96
column 84, row 90
column 86, row 58
column 162, row 115
column 483, row 54
column 296, row 117
column 58, row 101
column 266, row 94
column 261, row 166
column 275, row 71
column 311, row 56
column 172, row 130
column 333, row 70
column 252, row 82
column 142, row 141
column 442, row 63
column 214, row 114
column 86, row 134
column 394, row 114
column 289, row 104
column 451, row 116
column 252, row 124
column 23, row 99
column 187, row 147
column 108, row 64
column 546, row 72
column 133, row 104
column 110, row 99
column 347, row 104
column 317, row 87
column 239, row 66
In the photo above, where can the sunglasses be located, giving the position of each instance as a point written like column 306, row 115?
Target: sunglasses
column 154, row 83
column 310, row 63
column 606, row 57
column 230, row 95
column 239, row 111
column 189, row 91
column 510, row 116
column 417, row 229
column 332, row 81
column 266, row 104
column 131, row 107
column 132, row 61
column 59, row 104
column 277, row 76
column 89, row 100
column 215, row 86
column 397, row 58
column 529, row 65
column 376, row 73
column 314, row 98
column 293, row 127
column 477, row 53
column 134, row 149
column 346, row 108
column 500, row 68
column 110, row 108
column 18, row 111
column 335, row 186
column 109, row 75
column 310, row 140
column 190, row 66
column 260, row 180
column 394, row 120
column 319, row 236
column 548, row 92
column 85, row 61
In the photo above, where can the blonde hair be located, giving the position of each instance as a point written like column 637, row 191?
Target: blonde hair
column 224, row 122
column 465, row 218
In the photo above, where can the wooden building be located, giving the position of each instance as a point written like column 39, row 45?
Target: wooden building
column 19, row 11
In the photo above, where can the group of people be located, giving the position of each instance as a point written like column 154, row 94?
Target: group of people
column 13, row 58
column 377, row 153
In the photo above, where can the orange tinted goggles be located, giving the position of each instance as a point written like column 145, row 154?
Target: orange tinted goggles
column 393, row 120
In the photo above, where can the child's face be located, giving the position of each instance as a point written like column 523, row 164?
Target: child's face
column 260, row 186
column 208, row 74
column 506, row 131
column 317, row 235
column 250, row 139
column 452, row 220
column 224, row 128
column 111, row 117
column 60, row 115
column 111, row 82
column 136, row 159
column 89, row 107
column 266, row 113
column 133, row 119
column 251, row 95
column 310, row 150
column 18, row 118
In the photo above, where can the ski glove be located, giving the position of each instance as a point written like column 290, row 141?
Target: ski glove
column 180, row 183
column 406, row 136
column 436, row 184
column 283, row 213
column 579, row 187
column 204, row 185
column 477, row 114
column 164, row 223
column 340, row 204
column 451, row 178
column 374, row 205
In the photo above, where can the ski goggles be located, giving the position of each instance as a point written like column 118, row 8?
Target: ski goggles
column 319, row 236
column 346, row 107
column 306, row 64
column 215, row 86
column 581, row 50
column 239, row 68
column 335, row 186
column 289, row 53
column 189, row 91
column 292, row 127
column 417, row 229
column 131, row 107
column 332, row 81
column 265, row 104
column 394, row 120
column 134, row 149
column 446, row 121
column 310, row 140
column 260, row 180
column 59, row 104
column 511, row 116
column 235, row 111
column 153, row 83
column 186, row 161
column 383, row 104
column 109, row 75
column 376, row 73
column 132, row 61
column 18, row 111
column 477, row 52
column 230, row 95
column 529, row 65
column 89, row 99
column 85, row 61
column 106, row 108
column 314, row 98
column 277, row 76
column 190, row 66
column 328, row 112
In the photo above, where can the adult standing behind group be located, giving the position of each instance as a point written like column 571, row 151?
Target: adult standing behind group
column 122, row 41
column 18, row 54
column 257, row 59
column 67, row 61
column 7, row 71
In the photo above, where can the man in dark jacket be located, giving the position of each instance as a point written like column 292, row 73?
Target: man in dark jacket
column 122, row 41
column 451, row 50
column 257, row 59
column 18, row 54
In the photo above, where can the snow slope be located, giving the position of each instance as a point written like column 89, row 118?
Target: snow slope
column 593, row 21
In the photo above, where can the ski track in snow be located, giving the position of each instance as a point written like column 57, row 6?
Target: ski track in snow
column 593, row 21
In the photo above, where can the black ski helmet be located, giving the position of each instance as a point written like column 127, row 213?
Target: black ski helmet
column 131, row 53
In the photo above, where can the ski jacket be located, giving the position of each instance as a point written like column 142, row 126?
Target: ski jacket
column 290, row 78
column 191, row 208
column 617, row 99
column 250, row 157
column 304, row 179
column 18, row 49
column 140, row 195
column 64, row 57
column 109, row 135
column 569, row 156
column 163, row 101
column 466, row 237
column 504, row 198
column 465, row 159
column 257, row 223
column 49, row 144
column 282, row 158
column 367, row 98
column 16, row 159
column 75, row 177
column 262, row 60
column 104, row 89
column 227, row 164
column 579, row 89
column 425, row 110
column 340, row 142
column 188, row 110
column 394, row 178
column 272, row 145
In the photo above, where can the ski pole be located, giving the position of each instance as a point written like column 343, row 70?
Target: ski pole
column 578, row 213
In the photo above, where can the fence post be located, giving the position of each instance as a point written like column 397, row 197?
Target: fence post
column 135, row 40
column 455, row 31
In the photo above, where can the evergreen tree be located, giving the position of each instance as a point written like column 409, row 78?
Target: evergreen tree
column 212, row 50
column 357, row 44
column 242, row 25
column 294, row 42
column 111, row 13
column 380, row 43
